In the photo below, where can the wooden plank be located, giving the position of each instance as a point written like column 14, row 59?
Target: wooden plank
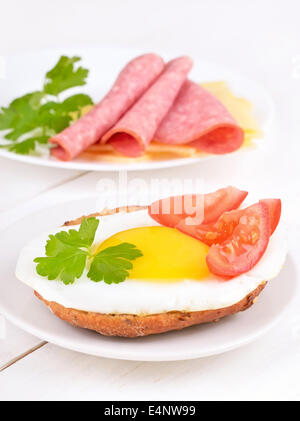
column 27, row 181
column 13, row 342
column 23, row 355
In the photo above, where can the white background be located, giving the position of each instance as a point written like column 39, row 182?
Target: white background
column 259, row 39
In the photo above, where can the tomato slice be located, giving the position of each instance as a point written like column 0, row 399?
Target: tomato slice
column 245, row 246
column 213, row 233
column 172, row 210
column 274, row 206
column 223, row 228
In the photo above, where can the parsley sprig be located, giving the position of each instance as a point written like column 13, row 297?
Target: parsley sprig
column 68, row 253
column 32, row 119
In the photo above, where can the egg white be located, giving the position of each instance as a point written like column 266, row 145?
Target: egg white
column 141, row 296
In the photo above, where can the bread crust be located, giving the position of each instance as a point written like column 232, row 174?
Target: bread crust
column 131, row 326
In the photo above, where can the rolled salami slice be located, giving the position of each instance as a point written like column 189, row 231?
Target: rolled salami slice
column 132, row 82
column 132, row 134
column 197, row 117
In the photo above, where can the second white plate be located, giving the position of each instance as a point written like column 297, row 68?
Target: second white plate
column 104, row 64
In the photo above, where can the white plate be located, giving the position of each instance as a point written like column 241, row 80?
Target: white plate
column 104, row 64
column 22, row 308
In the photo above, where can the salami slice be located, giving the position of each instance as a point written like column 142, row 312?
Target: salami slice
column 197, row 117
column 132, row 134
column 132, row 82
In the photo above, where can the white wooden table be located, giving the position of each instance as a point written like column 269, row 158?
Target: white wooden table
column 260, row 39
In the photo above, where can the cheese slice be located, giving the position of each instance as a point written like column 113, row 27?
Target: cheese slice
column 75, row 115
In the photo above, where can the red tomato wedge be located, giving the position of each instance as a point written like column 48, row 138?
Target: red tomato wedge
column 213, row 233
column 174, row 210
column 223, row 228
column 245, row 246
column 274, row 206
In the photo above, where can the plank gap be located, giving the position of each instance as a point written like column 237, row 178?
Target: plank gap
column 23, row 355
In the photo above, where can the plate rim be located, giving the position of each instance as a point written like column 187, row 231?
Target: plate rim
column 191, row 356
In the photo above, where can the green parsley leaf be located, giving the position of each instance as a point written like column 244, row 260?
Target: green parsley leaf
column 67, row 253
column 34, row 117
column 88, row 230
column 82, row 238
column 53, row 118
column 76, row 102
column 54, row 246
column 66, row 265
column 7, row 116
column 21, row 115
column 28, row 145
column 111, row 265
column 64, row 75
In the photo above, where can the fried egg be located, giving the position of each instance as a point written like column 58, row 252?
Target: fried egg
column 172, row 274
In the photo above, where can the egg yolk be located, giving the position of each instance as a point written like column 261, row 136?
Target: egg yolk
column 168, row 254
